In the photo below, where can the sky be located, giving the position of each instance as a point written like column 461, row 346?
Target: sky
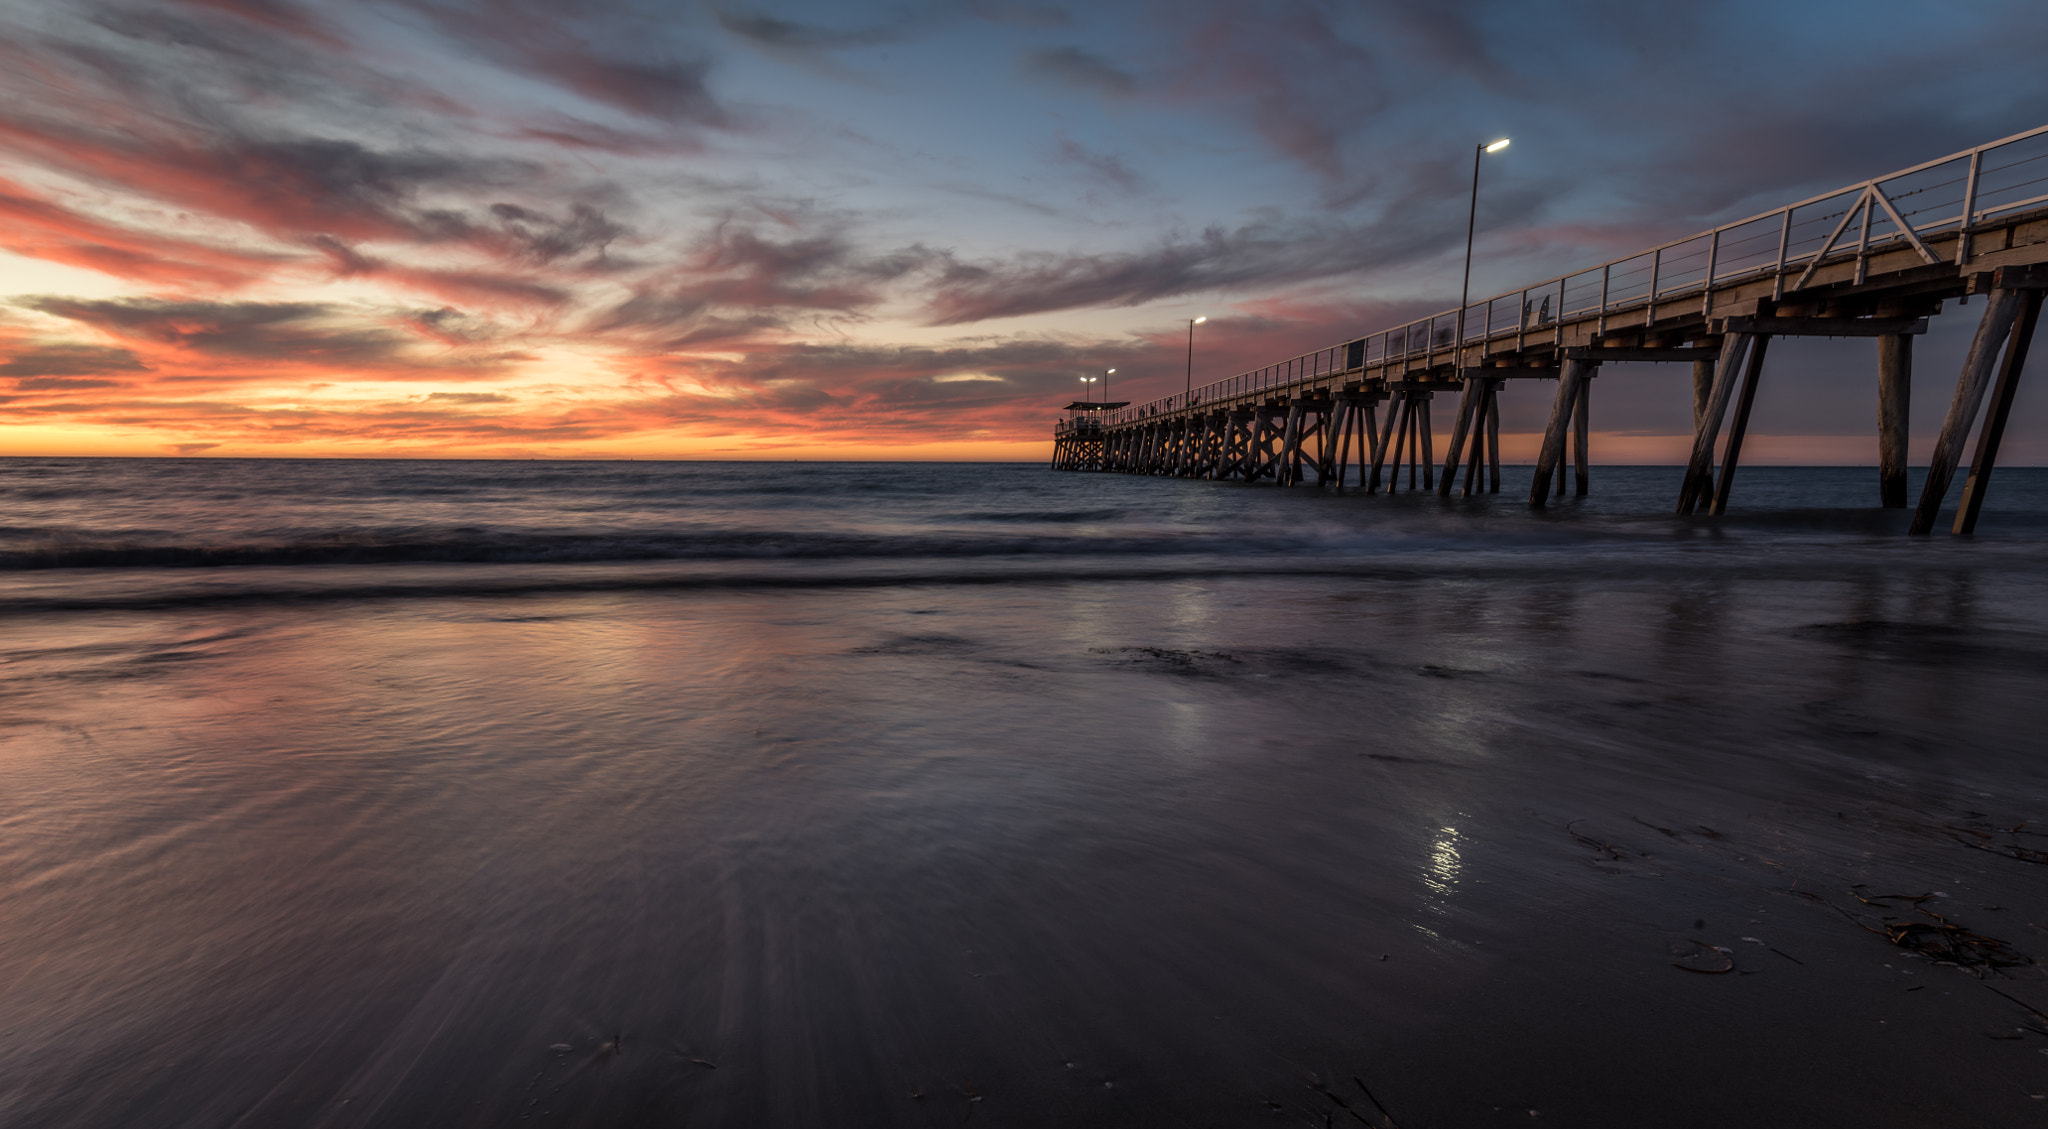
column 624, row 229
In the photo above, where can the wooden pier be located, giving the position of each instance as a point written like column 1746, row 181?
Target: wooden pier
column 1876, row 259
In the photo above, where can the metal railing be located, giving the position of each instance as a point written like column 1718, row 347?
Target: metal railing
column 1944, row 195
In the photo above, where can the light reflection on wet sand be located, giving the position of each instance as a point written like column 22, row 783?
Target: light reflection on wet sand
column 1091, row 853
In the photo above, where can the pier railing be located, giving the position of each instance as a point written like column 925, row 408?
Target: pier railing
column 1953, row 193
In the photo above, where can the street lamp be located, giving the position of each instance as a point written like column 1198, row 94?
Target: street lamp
column 1471, row 220
column 1086, row 393
column 1105, row 384
column 1189, row 390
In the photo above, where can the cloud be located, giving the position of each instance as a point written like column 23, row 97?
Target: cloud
column 469, row 398
column 1079, row 68
column 787, row 35
column 1104, row 168
column 191, row 448
column 1260, row 254
column 601, row 52
column 61, row 384
column 223, row 342
column 71, row 360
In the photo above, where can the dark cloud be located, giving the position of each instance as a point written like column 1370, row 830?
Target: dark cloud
column 61, row 384
column 1104, row 168
column 1078, row 67
column 302, row 332
column 743, row 280
column 71, row 360
column 1304, row 84
column 1262, row 254
column 544, row 238
column 787, row 35
column 604, row 52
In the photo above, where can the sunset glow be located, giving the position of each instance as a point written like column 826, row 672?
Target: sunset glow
column 496, row 228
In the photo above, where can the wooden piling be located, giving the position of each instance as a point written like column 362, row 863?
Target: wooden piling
column 1702, row 390
column 2000, row 313
column 1986, row 455
column 1740, row 426
column 1894, row 403
column 1551, row 453
column 1493, row 437
column 1699, row 473
column 1582, row 415
column 1428, row 451
column 1454, row 452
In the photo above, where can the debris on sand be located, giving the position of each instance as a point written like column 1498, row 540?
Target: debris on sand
column 1930, row 934
column 1713, row 960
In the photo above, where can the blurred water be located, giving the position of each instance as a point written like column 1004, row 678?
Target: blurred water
column 619, row 794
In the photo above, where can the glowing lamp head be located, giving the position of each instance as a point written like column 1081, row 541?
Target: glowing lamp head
column 1497, row 146
column 1201, row 319
column 1112, row 372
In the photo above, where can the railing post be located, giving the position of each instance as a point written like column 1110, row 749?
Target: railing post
column 1713, row 260
column 1656, row 265
column 1863, row 234
column 1606, row 273
column 1963, row 248
column 1784, row 236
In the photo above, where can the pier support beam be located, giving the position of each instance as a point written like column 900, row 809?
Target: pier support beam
column 1569, row 382
column 1388, row 439
column 1986, row 455
column 1894, row 411
column 1699, row 473
column 1702, row 390
column 1582, row 435
column 1461, row 424
column 2001, row 317
column 1740, row 427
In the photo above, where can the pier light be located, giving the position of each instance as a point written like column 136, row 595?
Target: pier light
column 1471, row 222
column 1189, row 390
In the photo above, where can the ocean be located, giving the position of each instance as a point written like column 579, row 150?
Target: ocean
column 438, row 793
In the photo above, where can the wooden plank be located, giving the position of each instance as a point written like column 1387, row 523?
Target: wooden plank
column 1699, row 473
column 1894, row 412
column 2022, row 277
column 1653, row 356
column 1740, row 427
column 1986, row 456
column 1999, row 314
column 1826, row 327
column 2022, row 255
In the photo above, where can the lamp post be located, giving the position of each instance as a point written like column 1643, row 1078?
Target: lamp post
column 1471, row 221
column 1189, row 390
column 1087, row 394
column 1105, row 384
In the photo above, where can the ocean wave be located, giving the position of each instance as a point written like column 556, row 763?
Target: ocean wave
column 529, row 547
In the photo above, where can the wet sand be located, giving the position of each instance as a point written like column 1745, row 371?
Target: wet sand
column 1184, row 852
